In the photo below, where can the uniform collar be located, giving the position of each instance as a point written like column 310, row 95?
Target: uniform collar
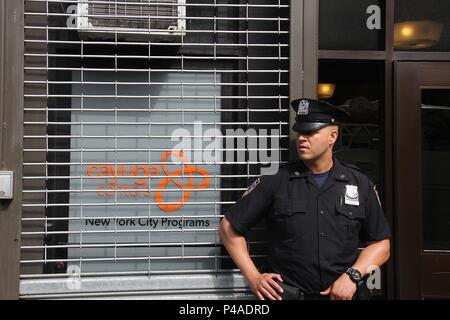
column 298, row 170
column 338, row 171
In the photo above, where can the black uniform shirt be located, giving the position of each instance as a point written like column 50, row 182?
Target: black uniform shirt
column 313, row 233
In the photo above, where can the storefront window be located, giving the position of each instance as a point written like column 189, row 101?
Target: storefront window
column 109, row 100
column 358, row 88
column 149, row 211
column 422, row 25
column 351, row 25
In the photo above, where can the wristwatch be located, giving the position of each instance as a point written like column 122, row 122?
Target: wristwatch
column 354, row 275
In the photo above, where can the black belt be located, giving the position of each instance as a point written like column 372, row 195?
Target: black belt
column 311, row 296
column 294, row 293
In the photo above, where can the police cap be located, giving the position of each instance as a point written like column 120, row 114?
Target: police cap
column 313, row 114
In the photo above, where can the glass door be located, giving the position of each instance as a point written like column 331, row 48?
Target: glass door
column 423, row 180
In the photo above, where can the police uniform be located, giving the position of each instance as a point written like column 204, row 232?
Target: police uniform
column 313, row 233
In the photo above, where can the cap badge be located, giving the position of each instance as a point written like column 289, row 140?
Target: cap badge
column 303, row 108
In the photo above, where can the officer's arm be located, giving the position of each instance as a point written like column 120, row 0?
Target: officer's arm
column 376, row 232
column 373, row 256
column 262, row 285
column 236, row 246
column 238, row 221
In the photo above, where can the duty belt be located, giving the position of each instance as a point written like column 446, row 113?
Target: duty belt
column 293, row 293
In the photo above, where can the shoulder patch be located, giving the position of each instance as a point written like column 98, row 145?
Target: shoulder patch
column 376, row 193
column 252, row 187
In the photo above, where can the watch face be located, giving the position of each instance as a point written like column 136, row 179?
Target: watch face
column 354, row 274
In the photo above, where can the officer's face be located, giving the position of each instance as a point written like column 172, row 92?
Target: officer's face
column 314, row 145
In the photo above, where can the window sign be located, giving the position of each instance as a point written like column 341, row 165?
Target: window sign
column 137, row 201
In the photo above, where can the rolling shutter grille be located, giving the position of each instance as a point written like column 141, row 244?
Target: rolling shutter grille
column 99, row 116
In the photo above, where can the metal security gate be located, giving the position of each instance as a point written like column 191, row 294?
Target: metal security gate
column 144, row 121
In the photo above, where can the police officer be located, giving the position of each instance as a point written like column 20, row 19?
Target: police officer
column 317, row 210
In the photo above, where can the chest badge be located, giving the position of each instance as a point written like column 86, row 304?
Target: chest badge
column 351, row 195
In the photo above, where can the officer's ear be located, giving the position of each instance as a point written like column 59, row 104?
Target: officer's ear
column 334, row 134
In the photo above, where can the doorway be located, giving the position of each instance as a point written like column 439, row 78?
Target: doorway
column 422, row 179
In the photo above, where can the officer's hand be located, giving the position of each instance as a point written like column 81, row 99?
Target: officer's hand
column 342, row 289
column 263, row 286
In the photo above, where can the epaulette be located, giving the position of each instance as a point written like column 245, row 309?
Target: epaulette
column 352, row 166
column 293, row 166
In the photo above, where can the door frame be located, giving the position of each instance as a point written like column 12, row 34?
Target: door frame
column 11, row 141
column 410, row 79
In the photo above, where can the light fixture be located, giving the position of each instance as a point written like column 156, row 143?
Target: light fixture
column 417, row 34
column 325, row 90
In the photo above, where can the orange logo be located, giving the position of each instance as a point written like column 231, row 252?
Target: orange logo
column 145, row 172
